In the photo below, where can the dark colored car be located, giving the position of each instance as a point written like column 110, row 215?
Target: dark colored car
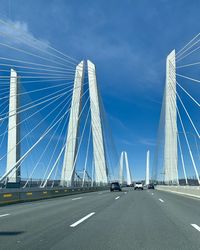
column 151, row 186
column 131, row 185
column 114, row 186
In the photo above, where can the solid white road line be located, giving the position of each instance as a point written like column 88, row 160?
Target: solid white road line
column 117, row 197
column 81, row 220
column 3, row 215
column 78, row 198
column 196, row 227
column 161, row 200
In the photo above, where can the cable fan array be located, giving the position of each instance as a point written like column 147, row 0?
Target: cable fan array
column 45, row 79
column 185, row 100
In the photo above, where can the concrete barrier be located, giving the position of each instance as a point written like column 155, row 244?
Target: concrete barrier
column 193, row 191
column 8, row 196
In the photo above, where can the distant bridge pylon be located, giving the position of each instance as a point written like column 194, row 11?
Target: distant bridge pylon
column 124, row 159
column 147, row 168
column 13, row 146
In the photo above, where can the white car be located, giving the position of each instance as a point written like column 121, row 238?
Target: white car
column 138, row 185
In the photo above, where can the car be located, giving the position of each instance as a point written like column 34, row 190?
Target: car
column 138, row 185
column 115, row 186
column 130, row 185
column 150, row 186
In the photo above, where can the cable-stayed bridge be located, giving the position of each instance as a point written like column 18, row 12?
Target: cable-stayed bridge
column 55, row 138
column 54, row 129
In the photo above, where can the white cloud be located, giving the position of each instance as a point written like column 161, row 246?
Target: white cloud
column 17, row 33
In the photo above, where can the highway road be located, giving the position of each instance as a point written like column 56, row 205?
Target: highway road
column 103, row 220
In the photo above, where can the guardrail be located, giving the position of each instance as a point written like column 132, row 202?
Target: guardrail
column 193, row 191
column 23, row 195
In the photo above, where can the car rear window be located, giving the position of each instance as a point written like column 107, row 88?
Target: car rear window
column 115, row 185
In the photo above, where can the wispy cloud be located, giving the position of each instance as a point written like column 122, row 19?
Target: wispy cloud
column 128, row 142
column 147, row 142
column 118, row 123
column 17, row 32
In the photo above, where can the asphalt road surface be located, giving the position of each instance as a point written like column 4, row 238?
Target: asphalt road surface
column 103, row 220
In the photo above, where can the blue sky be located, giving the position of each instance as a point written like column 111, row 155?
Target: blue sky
column 128, row 41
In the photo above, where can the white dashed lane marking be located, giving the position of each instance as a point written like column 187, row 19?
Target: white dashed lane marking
column 78, row 198
column 4, row 215
column 82, row 219
column 196, row 227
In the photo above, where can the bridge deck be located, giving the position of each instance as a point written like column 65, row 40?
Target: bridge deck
column 135, row 220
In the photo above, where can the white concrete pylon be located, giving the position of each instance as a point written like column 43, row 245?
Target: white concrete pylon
column 121, row 162
column 170, row 134
column 97, row 130
column 147, row 168
column 68, row 169
column 124, row 158
column 13, row 147
column 128, row 173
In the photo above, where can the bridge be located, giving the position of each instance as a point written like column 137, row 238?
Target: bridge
column 56, row 142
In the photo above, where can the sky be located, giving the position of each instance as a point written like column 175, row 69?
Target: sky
column 128, row 41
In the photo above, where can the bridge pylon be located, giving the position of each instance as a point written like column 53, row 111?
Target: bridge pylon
column 13, row 146
column 147, row 168
column 70, row 155
column 68, row 169
column 124, row 158
column 101, row 174
column 170, row 125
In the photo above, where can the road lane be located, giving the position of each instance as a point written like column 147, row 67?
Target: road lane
column 182, row 210
column 181, row 207
column 40, row 225
column 137, row 220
